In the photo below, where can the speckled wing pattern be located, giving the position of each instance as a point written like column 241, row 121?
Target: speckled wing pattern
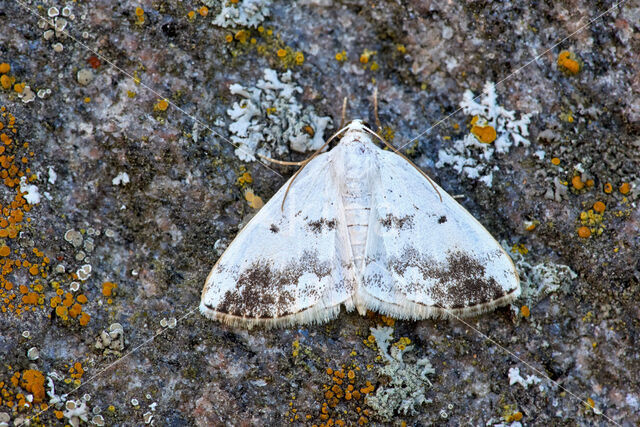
column 289, row 265
column 427, row 257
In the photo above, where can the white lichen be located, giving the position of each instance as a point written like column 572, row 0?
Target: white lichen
column 471, row 157
column 406, row 388
column 516, row 378
column 269, row 120
column 76, row 411
column 245, row 13
column 29, row 191
column 540, row 280
column 121, row 179
column 53, row 176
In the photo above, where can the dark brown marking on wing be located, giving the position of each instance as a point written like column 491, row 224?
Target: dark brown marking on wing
column 442, row 219
column 274, row 228
column 461, row 280
column 391, row 221
column 322, row 224
column 263, row 291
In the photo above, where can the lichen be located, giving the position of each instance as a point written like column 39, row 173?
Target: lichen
column 244, row 13
column 406, row 388
column 516, row 378
column 494, row 129
column 269, row 117
column 540, row 280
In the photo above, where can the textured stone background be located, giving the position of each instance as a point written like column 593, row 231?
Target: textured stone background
column 157, row 232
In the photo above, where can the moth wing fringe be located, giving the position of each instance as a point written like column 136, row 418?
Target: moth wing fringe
column 417, row 311
column 313, row 315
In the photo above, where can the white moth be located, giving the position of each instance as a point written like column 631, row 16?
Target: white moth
column 360, row 227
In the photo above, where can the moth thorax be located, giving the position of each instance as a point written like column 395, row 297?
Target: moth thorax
column 356, row 198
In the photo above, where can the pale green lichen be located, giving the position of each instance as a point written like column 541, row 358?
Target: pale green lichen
column 540, row 280
column 245, row 13
column 471, row 157
column 269, row 117
column 406, row 388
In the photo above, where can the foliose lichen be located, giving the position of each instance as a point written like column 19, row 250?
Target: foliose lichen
column 406, row 388
column 269, row 120
column 494, row 130
column 540, row 280
column 244, row 13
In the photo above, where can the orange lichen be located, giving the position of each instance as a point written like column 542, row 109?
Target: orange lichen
column 599, row 207
column 366, row 55
column 107, row 288
column 30, row 298
column 68, row 300
column 161, row 105
column 245, row 178
column 33, row 382
column 61, row 311
column 254, row 201
column 6, row 81
column 485, row 134
column 281, row 53
column 76, row 371
column 608, row 188
column 5, row 68
column 568, row 62
column 75, row 310
column 577, row 183
column 93, row 62
column 524, row 310
column 555, row 161
column 516, row 416
column 584, row 232
column 341, row 56
column 84, row 319
column 625, row 187
column 242, row 36
column 340, row 397
column 389, row 321
column 203, row 11
column 13, row 167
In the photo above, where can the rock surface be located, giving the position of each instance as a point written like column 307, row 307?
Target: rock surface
column 102, row 274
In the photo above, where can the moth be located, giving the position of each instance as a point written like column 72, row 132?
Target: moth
column 360, row 227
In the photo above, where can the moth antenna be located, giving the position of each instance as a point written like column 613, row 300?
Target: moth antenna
column 281, row 162
column 344, row 113
column 405, row 157
column 307, row 160
column 375, row 109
